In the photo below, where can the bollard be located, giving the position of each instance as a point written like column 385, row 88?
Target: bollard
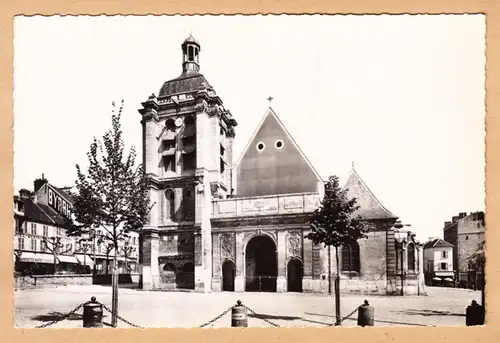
column 474, row 314
column 239, row 316
column 92, row 314
column 365, row 314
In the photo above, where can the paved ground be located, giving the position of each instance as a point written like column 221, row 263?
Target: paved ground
column 442, row 306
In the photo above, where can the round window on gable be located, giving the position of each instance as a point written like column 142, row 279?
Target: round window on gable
column 260, row 146
column 278, row 144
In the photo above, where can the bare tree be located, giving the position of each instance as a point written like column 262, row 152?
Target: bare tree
column 55, row 245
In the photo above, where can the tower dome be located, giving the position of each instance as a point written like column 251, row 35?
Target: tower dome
column 191, row 79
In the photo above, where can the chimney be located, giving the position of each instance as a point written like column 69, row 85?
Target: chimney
column 447, row 224
column 462, row 214
column 24, row 193
column 38, row 183
column 454, row 219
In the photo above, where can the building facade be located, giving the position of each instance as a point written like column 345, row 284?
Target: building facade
column 438, row 262
column 39, row 221
column 219, row 226
column 467, row 234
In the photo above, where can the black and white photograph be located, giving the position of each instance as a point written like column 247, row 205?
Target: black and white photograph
column 249, row 171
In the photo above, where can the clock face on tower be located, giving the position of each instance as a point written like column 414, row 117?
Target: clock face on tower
column 178, row 122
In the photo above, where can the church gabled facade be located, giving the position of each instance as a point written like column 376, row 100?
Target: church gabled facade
column 216, row 226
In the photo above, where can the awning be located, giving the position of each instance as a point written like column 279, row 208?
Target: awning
column 436, row 279
column 448, row 279
column 85, row 261
column 30, row 257
column 46, row 258
column 67, row 259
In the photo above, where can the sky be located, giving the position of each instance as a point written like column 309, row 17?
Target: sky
column 400, row 96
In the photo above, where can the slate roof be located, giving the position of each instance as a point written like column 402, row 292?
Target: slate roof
column 41, row 213
column 186, row 82
column 437, row 243
column 370, row 206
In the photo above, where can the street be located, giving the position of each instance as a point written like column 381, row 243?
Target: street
column 442, row 307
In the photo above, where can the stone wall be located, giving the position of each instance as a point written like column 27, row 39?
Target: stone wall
column 52, row 280
column 265, row 205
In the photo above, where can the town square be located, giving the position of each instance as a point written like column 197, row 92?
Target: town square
column 207, row 196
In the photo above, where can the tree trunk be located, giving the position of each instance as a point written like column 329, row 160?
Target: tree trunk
column 114, row 282
column 338, row 320
column 329, row 270
column 85, row 262
column 94, row 248
column 55, row 261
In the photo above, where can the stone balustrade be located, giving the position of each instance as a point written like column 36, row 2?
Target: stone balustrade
column 265, row 205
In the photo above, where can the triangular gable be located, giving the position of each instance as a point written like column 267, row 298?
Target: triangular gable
column 439, row 243
column 369, row 206
column 274, row 170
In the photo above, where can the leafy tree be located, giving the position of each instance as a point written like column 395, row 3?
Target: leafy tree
column 57, row 247
column 112, row 195
column 335, row 224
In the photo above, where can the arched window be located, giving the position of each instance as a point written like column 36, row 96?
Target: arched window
column 350, row 257
column 170, row 125
column 188, row 203
column 170, row 197
column 189, row 121
column 411, row 256
column 190, row 54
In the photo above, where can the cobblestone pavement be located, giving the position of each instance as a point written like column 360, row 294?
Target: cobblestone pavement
column 441, row 307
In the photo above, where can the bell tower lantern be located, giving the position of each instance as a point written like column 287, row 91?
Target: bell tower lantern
column 190, row 55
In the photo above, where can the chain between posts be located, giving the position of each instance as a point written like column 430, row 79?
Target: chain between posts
column 350, row 314
column 263, row 319
column 216, row 318
column 69, row 314
column 121, row 318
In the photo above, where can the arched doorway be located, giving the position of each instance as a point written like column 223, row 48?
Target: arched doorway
column 295, row 271
column 228, row 274
column 261, row 265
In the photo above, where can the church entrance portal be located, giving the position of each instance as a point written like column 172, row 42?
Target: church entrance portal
column 228, row 274
column 261, row 265
column 294, row 275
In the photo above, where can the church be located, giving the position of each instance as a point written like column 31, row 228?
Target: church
column 218, row 226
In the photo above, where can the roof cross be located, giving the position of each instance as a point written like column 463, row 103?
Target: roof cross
column 270, row 99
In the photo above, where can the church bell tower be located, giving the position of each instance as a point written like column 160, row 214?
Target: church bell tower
column 188, row 158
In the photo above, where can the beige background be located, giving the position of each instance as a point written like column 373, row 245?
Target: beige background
column 9, row 8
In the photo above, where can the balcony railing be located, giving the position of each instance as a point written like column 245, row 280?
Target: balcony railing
column 266, row 205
